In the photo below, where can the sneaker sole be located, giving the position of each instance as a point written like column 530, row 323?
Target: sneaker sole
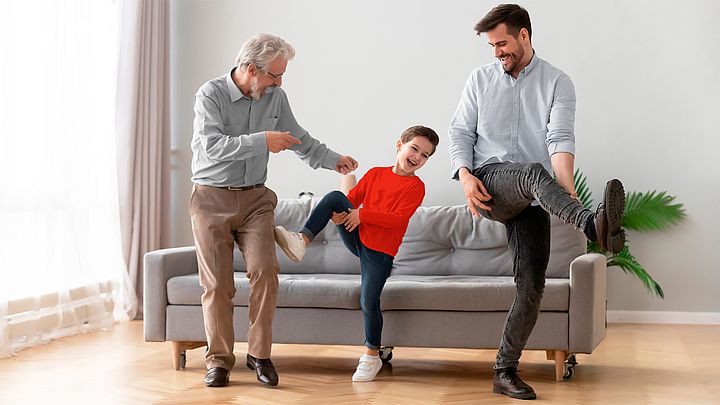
column 283, row 243
column 614, row 210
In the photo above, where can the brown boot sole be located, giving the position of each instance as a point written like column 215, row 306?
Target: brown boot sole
column 528, row 395
column 614, row 202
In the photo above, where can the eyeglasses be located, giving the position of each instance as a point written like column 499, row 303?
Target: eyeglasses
column 274, row 76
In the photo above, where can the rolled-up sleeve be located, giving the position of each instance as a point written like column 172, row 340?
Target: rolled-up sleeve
column 463, row 128
column 561, row 126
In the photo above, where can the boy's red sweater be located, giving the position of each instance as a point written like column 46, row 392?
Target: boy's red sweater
column 388, row 201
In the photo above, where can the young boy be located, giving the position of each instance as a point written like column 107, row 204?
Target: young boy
column 372, row 221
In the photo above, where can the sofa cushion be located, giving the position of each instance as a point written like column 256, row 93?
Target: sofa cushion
column 402, row 292
column 466, row 293
column 294, row 290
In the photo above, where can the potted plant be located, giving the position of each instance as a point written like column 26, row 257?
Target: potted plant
column 644, row 212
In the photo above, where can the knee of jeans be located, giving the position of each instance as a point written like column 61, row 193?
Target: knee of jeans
column 369, row 306
column 336, row 193
column 532, row 293
column 531, row 285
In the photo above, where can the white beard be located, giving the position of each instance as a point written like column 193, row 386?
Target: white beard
column 254, row 94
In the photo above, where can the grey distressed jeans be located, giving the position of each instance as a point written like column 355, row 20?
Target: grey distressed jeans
column 513, row 187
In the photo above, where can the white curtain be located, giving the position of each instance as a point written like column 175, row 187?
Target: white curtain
column 143, row 128
column 61, row 263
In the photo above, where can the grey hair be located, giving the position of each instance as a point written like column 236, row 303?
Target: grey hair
column 262, row 49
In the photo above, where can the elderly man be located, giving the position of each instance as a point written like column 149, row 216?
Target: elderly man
column 240, row 118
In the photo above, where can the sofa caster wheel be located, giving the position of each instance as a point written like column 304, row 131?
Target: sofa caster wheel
column 569, row 371
column 386, row 354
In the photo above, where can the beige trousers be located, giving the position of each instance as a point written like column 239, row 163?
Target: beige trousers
column 220, row 218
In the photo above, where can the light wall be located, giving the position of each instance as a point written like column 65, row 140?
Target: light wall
column 645, row 72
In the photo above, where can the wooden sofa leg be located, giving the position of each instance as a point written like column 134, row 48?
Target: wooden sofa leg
column 179, row 348
column 559, row 356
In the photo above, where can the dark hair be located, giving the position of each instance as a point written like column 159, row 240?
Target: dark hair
column 419, row 130
column 514, row 16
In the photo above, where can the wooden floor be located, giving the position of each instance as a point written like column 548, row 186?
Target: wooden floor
column 636, row 364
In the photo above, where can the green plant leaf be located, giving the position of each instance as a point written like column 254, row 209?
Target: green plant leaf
column 652, row 211
column 582, row 189
column 593, row 247
column 630, row 265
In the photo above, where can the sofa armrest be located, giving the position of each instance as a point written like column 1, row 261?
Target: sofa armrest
column 160, row 266
column 588, row 296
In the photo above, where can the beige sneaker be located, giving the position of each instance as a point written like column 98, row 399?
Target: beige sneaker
column 368, row 368
column 292, row 243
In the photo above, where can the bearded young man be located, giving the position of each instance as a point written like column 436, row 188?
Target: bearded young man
column 514, row 126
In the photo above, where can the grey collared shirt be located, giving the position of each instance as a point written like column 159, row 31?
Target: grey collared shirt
column 229, row 146
column 523, row 120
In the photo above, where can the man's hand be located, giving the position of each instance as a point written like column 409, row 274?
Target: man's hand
column 279, row 141
column 475, row 192
column 352, row 219
column 338, row 217
column 346, row 164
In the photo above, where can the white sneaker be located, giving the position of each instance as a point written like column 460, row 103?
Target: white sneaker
column 292, row 243
column 368, row 368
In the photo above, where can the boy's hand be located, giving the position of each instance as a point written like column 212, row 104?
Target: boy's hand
column 338, row 217
column 352, row 219
column 346, row 164
column 475, row 192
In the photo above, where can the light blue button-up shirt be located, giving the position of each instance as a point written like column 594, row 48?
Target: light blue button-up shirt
column 229, row 145
column 503, row 119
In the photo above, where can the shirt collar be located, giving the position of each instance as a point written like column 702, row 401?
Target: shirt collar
column 235, row 93
column 526, row 71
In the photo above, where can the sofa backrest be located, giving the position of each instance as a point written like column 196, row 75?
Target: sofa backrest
column 439, row 241
column 449, row 241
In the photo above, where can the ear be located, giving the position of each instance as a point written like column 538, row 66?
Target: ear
column 398, row 145
column 252, row 69
column 524, row 34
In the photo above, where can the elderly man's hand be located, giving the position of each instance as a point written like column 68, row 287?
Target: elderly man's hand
column 346, row 164
column 279, row 141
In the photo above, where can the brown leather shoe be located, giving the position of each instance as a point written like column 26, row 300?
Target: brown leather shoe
column 217, row 377
column 264, row 369
column 507, row 382
column 609, row 216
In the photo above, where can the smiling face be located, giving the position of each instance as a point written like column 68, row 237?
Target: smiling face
column 412, row 155
column 514, row 52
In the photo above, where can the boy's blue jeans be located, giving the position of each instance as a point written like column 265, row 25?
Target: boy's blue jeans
column 513, row 187
column 374, row 266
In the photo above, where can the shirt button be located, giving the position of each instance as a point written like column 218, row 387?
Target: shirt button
column 325, row 242
column 452, row 249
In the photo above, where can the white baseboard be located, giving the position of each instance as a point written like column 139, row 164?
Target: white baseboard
column 669, row 317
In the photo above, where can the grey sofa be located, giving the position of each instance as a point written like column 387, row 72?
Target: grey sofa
column 451, row 286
